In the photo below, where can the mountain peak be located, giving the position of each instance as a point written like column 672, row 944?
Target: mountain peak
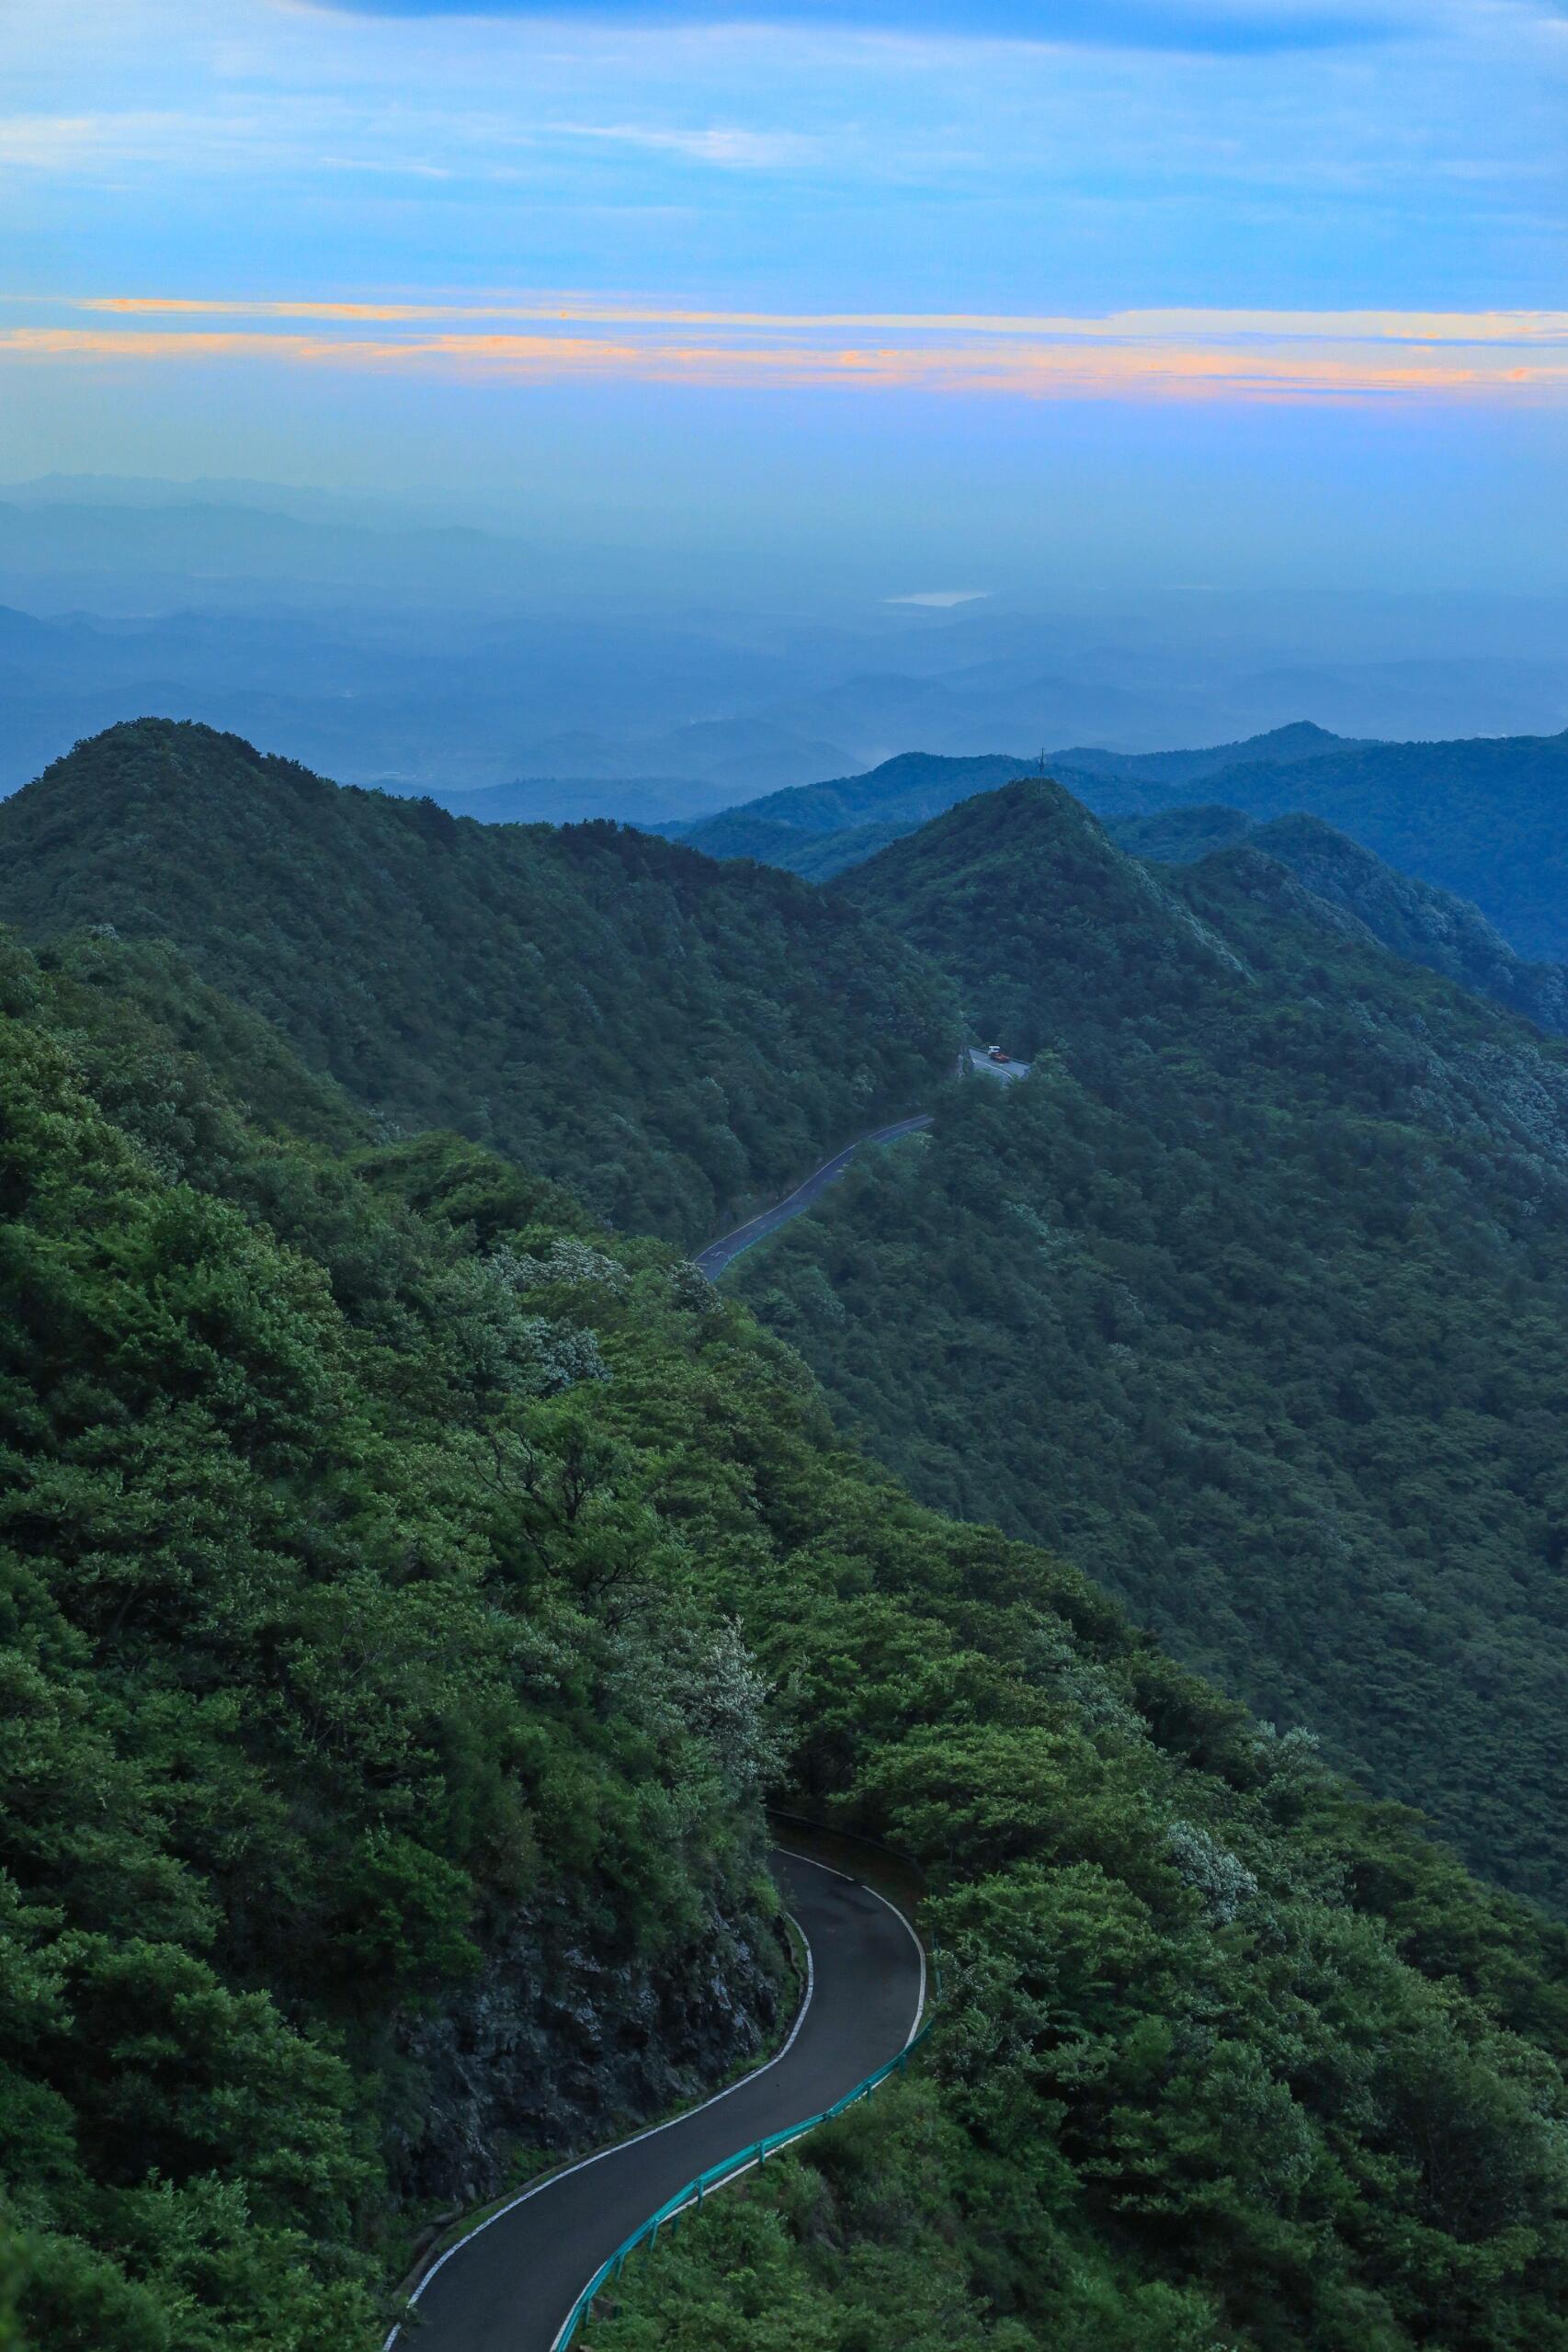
column 600, row 1004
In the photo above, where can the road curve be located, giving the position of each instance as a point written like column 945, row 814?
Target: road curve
column 509, row 2287
column 718, row 1255
column 979, row 1059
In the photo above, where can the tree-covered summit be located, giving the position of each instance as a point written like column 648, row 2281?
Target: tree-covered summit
column 1250, row 1299
column 676, row 1038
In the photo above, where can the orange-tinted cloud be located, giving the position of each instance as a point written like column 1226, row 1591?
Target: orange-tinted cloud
column 1175, row 354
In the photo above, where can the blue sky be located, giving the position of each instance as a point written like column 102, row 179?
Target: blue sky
column 1146, row 261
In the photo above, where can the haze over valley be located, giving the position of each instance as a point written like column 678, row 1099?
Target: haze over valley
column 784, row 1175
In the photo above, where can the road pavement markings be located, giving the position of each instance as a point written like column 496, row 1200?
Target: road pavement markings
column 651, row 2132
column 741, row 2170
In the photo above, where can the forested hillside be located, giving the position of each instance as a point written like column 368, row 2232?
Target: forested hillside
column 1482, row 818
column 908, row 790
column 410, row 1591
column 1486, row 819
column 676, row 1038
column 1425, row 925
column 1250, row 1299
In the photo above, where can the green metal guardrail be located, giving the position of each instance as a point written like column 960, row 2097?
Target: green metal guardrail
column 717, row 2174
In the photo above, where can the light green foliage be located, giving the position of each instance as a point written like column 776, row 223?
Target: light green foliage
column 303, row 1691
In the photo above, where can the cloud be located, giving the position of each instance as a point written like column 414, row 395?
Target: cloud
column 1188, row 354
column 1224, row 27
column 735, row 150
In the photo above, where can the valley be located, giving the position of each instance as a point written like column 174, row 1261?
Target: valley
column 435, row 1578
column 783, row 1176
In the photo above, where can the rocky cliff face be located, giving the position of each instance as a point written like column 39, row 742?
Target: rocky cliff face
column 557, row 2046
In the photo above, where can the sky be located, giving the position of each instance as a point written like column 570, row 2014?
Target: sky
column 1271, row 289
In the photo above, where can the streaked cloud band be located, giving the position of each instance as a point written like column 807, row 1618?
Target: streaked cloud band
column 1191, row 354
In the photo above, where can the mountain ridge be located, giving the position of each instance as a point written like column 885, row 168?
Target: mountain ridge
column 1256, row 1286
column 676, row 1037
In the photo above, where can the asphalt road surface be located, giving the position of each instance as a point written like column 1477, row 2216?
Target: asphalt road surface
column 1003, row 1070
column 509, row 2287
column 718, row 1255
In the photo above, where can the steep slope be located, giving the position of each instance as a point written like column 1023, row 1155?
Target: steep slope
column 1412, row 918
column 1250, row 1298
column 324, row 1812
column 409, row 1591
column 1486, row 819
column 967, row 888
column 676, row 1038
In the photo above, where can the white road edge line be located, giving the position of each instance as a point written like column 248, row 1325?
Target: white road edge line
column 741, row 2170
column 812, row 1863
column 651, row 2133
column 890, row 1134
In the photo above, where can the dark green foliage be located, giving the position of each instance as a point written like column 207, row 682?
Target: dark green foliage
column 405, row 1586
column 815, row 856
column 1415, row 920
column 1251, row 1300
column 1481, row 819
column 1484, row 819
column 309, row 1695
column 677, row 1040
column 820, row 829
column 1179, row 837
column 1424, row 925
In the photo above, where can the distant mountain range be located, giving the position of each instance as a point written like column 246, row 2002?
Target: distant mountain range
column 1485, row 819
column 904, row 792
column 389, row 642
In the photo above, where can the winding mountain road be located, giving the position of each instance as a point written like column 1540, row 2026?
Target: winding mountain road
column 1007, row 1071
column 510, row 2286
column 718, row 1255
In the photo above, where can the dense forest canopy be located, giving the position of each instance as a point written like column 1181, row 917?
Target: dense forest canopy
column 1482, row 818
column 1486, row 818
column 676, row 1039
column 1250, row 1299
column 427, row 1585
column 1418, row 921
